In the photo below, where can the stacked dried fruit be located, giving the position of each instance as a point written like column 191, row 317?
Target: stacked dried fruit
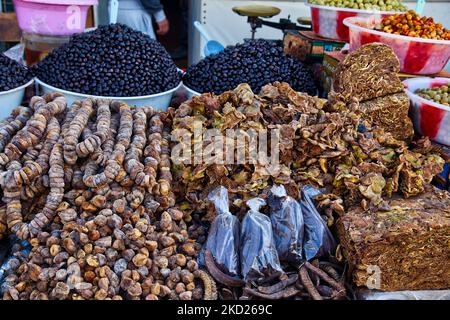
column 438, row 94
column 327, row 146
column 90, row 188
column 413, row 25
column 13, row 74
column 381, row 5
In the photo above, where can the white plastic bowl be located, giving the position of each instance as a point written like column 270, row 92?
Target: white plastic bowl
column 160, row 101
column 416, row 55
column 189, row 92
column 327, row 21
column 11, row 99
column 430, row 118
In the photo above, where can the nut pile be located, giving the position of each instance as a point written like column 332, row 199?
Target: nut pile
column 256, row 62
column 13, row 74
column 412, row 25
column 381, row 5
column 113, row 61
column 328, row 145
column 90, row 188
column 438, row 94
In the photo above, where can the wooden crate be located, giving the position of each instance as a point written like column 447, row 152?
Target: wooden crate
column 9, row 27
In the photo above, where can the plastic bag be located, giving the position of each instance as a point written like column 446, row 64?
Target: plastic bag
column 318, row 240
column 223, row 236
column 287, row 225
column 259, row 257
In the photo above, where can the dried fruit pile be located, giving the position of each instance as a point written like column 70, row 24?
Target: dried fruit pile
column 413, row 25
column 316, row 281
column 113, row 61
column 13, row 74
column 407, row 241
column 110, row 215
column 90, row 188
column 256, row 62
column 326, row 145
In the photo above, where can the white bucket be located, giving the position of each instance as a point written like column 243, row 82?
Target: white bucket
column 189, row 92
column 11, row 99
column 160, row 101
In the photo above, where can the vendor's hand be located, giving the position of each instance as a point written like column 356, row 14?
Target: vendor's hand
column 163, row 27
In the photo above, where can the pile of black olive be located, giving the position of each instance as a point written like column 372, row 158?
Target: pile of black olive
column 256, row 62
column 112, row 60
column 13, row 74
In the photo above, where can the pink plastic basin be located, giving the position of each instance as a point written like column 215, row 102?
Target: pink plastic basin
column 327, row 21
column 52, row 17
column 430, row 118
column 416, row 55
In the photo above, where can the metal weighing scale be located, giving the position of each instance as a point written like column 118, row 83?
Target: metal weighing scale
column 256, row 13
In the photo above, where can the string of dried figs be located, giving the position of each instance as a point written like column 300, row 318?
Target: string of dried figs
column 101, row 221
column 327, row 144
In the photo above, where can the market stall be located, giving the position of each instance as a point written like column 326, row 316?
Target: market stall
column 312, row 166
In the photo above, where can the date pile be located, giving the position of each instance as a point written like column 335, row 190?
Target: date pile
column 112, row 61
column 256, row 62
column 13, row 74
column 90, row 188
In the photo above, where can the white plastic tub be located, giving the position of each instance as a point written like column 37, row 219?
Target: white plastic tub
column 160, row 101
column 11, row 99
column 189, row 92
column 416, row 55
column 327, row 21
column 430, row 118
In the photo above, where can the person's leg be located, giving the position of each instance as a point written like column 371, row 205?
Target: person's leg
column 182, row 50
column 133, row 14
